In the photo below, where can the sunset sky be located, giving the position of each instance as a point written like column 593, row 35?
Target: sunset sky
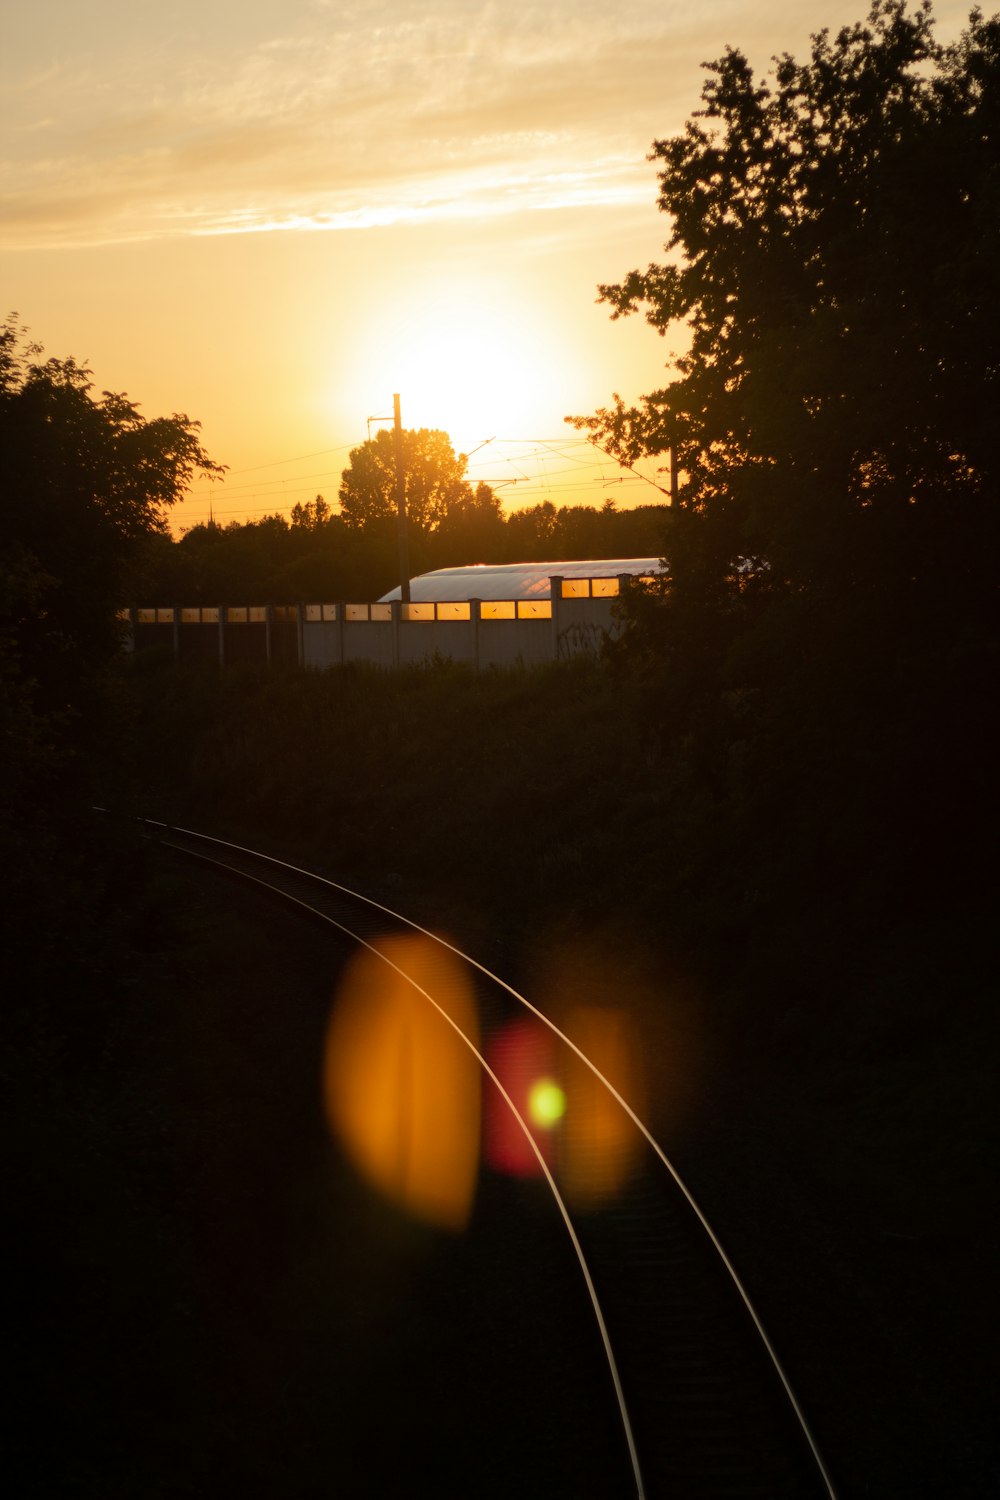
column 273, row 214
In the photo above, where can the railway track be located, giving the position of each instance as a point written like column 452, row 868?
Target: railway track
column 703, row 1404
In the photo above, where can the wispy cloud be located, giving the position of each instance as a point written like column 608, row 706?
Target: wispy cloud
column 230, row 118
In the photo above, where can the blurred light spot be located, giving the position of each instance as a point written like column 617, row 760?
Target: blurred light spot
column 520, row 1054
column 401, row 1089
column 546, row 1103
column 599, row 1143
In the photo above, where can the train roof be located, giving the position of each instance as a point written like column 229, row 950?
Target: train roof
column 516, row 580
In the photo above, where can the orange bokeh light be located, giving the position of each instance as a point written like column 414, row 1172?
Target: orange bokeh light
column 401, row 1087
column 599, row 1142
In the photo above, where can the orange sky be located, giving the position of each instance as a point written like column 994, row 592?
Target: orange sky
column 273, row 214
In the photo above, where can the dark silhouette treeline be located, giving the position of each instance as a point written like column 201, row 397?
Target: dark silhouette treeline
column 318, row 555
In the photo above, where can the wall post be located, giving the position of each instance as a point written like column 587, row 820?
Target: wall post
column 395, row 611
column 625, row 580
column 475, row 615
column 555, row 595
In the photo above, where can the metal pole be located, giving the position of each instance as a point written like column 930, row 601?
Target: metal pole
column 404, row 561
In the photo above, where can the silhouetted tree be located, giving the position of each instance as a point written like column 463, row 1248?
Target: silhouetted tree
column 273, row 561
column 311, row 516
column 812, row 672
column 531, row 533
column 85, row 485
column 472, row 530
column 435, row 480
column 240, row 562
column 834, row 254
column 85, row 481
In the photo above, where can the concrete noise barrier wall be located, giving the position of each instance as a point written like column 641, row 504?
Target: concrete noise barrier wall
column 576, row 618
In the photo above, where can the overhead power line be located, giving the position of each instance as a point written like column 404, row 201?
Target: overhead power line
column 528, row 471
column 296, row 459
column 346, row 448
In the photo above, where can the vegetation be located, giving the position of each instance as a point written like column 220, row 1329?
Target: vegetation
column 318, row 556
column 435, row 479
column 834, row 242
column 86, row 482
column 353, row 552
column 813, row 666
column 773, row 793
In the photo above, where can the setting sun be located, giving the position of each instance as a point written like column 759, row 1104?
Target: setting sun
column 273, row 221
column 468, row 358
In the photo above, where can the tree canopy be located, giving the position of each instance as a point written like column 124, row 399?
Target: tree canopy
column 813, row 668
column 435, row 479
column 85, row 481
column 85, row 485
column 834, row 257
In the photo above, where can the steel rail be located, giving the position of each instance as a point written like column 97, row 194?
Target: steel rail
column 519, row 1118
column 702, row 1220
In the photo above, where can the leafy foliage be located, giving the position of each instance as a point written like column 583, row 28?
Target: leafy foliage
column 473, row 526
column 312, row 516
column 85, row 482
column 833, row 255
column 813, row 665
column 435, row 479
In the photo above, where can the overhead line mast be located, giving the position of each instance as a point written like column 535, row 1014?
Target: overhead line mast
column 404, row 551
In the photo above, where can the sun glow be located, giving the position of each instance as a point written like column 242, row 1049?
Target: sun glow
column 469, row 358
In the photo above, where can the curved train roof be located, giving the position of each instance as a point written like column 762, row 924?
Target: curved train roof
column 515, row 580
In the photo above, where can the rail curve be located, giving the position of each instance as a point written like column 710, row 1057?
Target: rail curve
column 705, row 1405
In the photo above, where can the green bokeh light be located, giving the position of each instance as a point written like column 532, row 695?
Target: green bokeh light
column 546, row 1103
